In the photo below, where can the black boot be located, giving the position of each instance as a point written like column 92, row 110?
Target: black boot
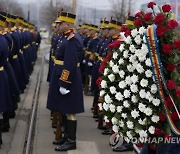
column 5, row 125
column 70, row 143
column 1, row 122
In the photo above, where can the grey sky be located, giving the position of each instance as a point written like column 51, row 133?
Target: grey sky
column 93, row 3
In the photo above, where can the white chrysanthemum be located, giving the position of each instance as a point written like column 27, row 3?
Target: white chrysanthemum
column 115, row 55
column 148, row 73
column 141, row 107
column 142, row 58
column 111, row 63
column 148, row 111
column 142, row 30
column 115, row 128
column 106, row 70
column 126, row 104
column 121, row 123
column 144, row 83
column 156, row 102
column 112, row 90
column 144, row 39
column 112, row 108
column 121, row 61
column 132, row 58
column 114, row 121
column 128, row 80
column 121, row 73
column 115, row 69
column 107, row 99
column 135, row 63
column 119, row 96
column 148, row 62
column 124, row 115
column 144, row 49
column 142, row 93
column 151, row 129
column 134, row 88
column 121, row 48
column 134, row 99
column 143, row 133
column 128, row 40
column 142, row 122
column 149, row 96
column 130, row 68
column 119, row 109
column 138, row 39
column 103, row 84
column 153, row 89
column 135, row 114
column 127, row 93
column 132, row 48
column 126, row 54
column 155, row 118
column 106, row 119
column 111, row 77
column 122, row 84
column 100, row 106
column 130, row 124
column 134, row 32
column 140, row 68
column 129, row 135
column 102, row 92
column 134, row 79
column 105, row 106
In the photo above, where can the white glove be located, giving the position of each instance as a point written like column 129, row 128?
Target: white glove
column 90, row 64
column 63, row 91
column 84, row 61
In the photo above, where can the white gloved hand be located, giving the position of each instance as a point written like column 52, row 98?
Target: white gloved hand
column 84, row 61
column 90, row 64
column 63, row 91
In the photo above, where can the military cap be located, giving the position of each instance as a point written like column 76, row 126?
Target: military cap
column 115, row 24
column 130, row 20
column 104, row 23
column 66, row 17
column 2, row 20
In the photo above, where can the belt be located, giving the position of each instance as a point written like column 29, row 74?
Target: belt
column 53, row 58
column 60, row 62
column 15, row 57
column 88, row 52
column 1, row 68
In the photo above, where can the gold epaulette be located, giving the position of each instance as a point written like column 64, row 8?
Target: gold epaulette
column 70, row 36
column 1, row 68
column 15, row 56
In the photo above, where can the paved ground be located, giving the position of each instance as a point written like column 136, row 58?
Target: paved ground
column 89, row 138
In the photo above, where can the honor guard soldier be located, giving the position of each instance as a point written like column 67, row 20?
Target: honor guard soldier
column 90, row 56
column 65, row 91
column 6, row 101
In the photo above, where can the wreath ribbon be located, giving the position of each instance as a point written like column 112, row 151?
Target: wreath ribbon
column 152, row 43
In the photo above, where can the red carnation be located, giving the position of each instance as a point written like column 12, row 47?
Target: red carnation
column 110, row 46
column 98, row 82
column 103, row 65
column 138, row 22
column 127, row 33
column 158, row 131
column 159, row 19
column 177, row 44
column 171, row 84
column 167, row 48
column 172, row 24
column 160, row 31
column 139, row 14
column 162, row 117
column 166, row 8
column 178, row 92
column 168, row 102
column 108, row 57
column 117, row 43
column 167, row 136
column 171, row 67
column 147, row 16
column 151, row 4
column 123, row 28
column 174, row 116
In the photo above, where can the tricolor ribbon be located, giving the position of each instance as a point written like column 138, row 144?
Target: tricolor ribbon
column 152, row 43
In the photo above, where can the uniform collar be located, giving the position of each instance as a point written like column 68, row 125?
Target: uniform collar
column 115, row 37
column 68, row 32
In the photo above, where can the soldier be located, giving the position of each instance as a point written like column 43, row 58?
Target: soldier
column 65, row 92
column 6, row 102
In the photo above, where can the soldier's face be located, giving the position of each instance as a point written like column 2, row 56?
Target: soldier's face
column 64, row 27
